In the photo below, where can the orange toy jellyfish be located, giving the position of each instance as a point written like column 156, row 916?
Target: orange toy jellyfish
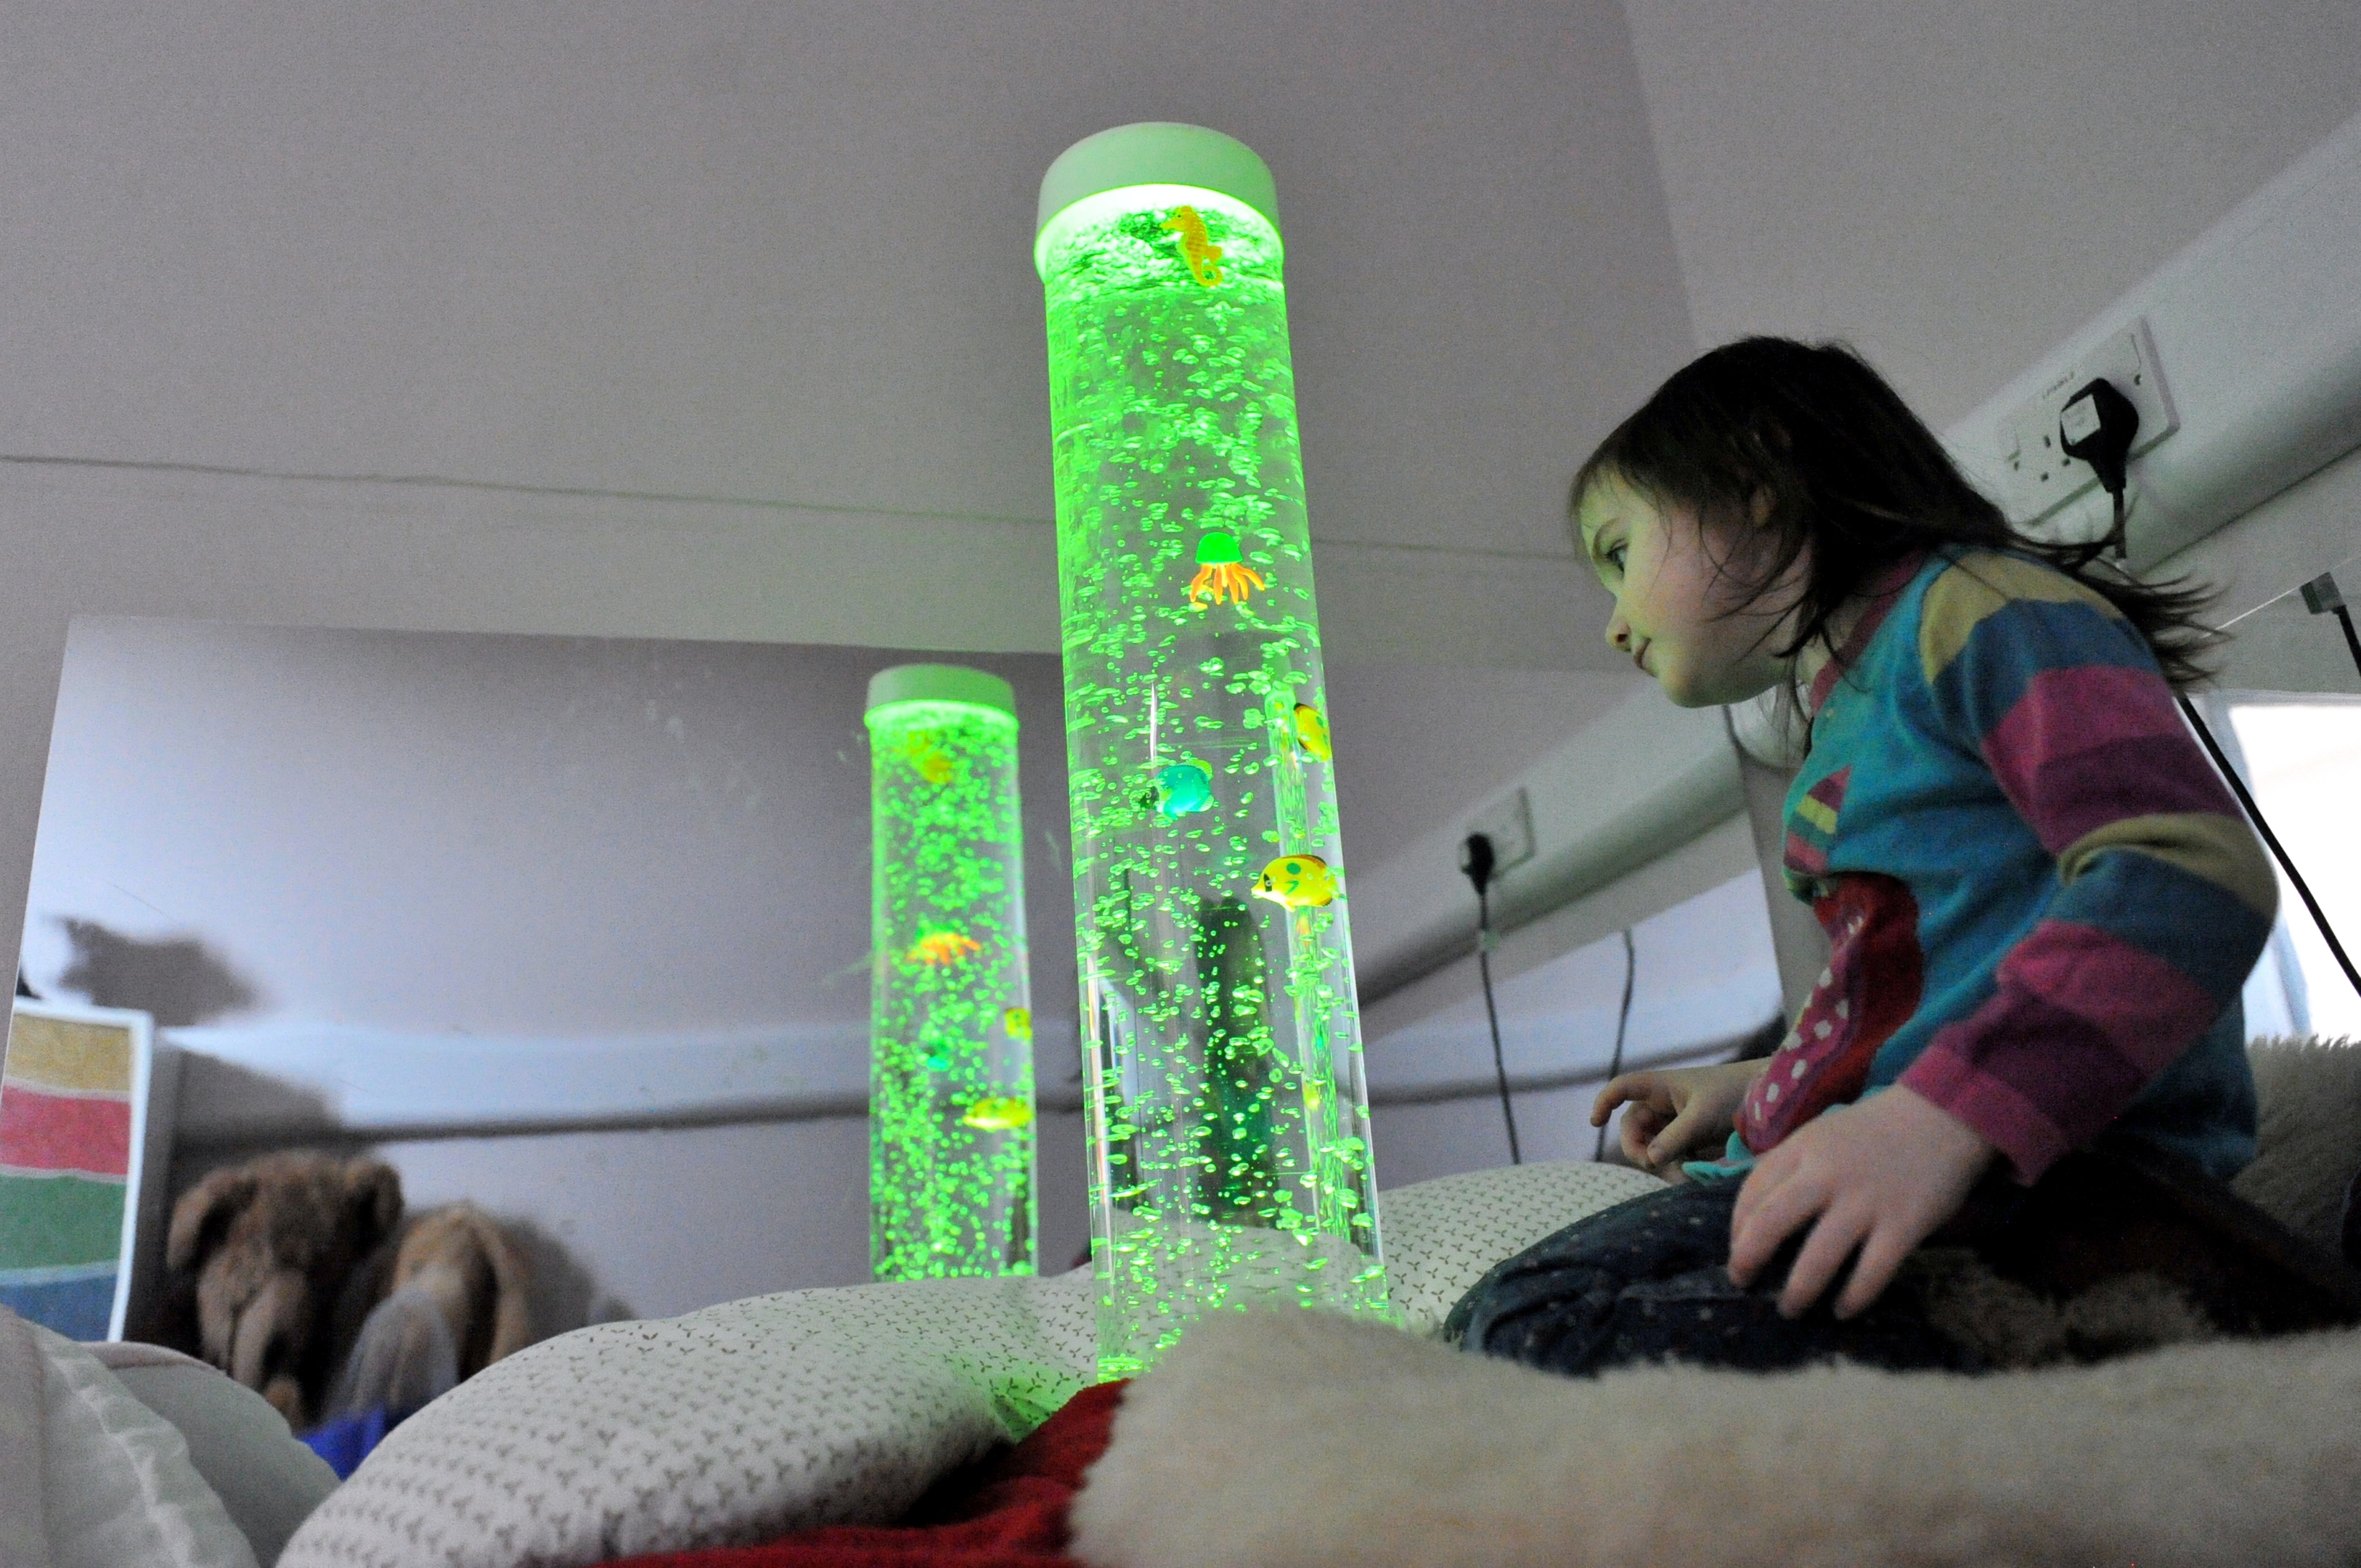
column 941, row 947
column 1221, row 572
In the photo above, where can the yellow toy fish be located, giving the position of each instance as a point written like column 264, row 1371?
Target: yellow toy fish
column 1202, row 257
column 1312, row 730
column 1019, row 1022
column 940, row 948
column 1299, row 882
column 1000, row 1114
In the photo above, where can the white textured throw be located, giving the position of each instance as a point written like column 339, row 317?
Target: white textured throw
column 813, row 1408
column 1314, row 1441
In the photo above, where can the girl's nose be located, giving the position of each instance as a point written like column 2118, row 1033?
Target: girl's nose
column 1618, row 632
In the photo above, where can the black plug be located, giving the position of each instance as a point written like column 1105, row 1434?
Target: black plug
column 2097, row 425
column 2322, row 597
column 1477, row 860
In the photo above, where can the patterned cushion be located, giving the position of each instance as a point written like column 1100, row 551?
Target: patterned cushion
column 815, row 1406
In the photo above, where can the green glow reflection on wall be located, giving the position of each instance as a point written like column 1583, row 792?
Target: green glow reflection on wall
column 1228, row 1122
column 951, row 1111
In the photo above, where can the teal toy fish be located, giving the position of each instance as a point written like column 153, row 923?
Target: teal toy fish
column 1182, row 788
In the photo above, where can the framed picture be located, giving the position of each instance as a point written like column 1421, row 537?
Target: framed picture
column 74, row 1094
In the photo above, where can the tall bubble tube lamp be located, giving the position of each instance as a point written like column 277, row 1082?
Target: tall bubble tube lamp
column 1228, row 1129
column 951, row 1069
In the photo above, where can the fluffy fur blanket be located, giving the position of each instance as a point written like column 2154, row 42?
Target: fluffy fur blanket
column 1306, row 1440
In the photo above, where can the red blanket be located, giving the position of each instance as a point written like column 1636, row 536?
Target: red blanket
column 1006, row 1511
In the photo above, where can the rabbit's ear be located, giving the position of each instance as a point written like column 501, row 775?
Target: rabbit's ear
column 511, row 1281
column 373, row 1199
column 203, row 1212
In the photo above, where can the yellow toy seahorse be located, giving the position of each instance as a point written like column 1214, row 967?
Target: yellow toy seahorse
column 1197, row 247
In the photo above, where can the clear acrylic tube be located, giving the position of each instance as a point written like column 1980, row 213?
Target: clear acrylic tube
column 1227, row 1112
column 950, row 1122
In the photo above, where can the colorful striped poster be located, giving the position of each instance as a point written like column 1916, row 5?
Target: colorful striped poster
column 71, row 1100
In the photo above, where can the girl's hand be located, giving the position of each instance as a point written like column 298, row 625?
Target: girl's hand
column 1879, row 1175
column 1673, row 1112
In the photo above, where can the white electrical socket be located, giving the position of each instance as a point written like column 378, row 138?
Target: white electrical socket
column 1508, row 823
column 2041, row 476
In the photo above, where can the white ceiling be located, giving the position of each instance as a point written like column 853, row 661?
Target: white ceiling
column 782, row 251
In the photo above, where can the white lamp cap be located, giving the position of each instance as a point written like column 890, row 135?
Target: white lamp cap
column 940, row 683
column 1157, row 152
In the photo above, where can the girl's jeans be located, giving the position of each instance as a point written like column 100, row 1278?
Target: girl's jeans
column 1644, row 1281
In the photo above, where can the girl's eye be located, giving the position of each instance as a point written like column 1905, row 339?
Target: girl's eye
column 1614, row 556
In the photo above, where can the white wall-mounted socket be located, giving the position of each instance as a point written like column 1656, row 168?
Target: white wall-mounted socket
column 1508, row 823
column 2041, row 476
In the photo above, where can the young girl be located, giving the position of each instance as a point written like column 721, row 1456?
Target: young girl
column 2041, row 901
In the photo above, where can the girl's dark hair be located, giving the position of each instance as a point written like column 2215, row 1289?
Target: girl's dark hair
column 1805, row 442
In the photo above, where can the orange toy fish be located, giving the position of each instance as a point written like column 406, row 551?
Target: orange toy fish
column 1202, row 257
column 940, row 947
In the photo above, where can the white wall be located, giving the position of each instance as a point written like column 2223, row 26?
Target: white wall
column 1703, row 975
column 315, row 847
column 1954, row 188
column 488, row 835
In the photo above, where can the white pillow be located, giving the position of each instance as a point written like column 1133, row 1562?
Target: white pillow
column 730, row 1425
column 268, row 1481
column 116, row 1487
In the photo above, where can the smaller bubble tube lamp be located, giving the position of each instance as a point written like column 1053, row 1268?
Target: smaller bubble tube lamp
column 1227, row 1115
column 951, row 1022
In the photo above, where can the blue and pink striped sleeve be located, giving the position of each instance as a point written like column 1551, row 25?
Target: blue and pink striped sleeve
column 2163, row 897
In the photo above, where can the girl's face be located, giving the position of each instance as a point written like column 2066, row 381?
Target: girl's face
column 1678, row 610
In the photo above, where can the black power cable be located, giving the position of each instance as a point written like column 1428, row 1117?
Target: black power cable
column 1622, row 1023
column 2097, row 426
column 2279, row 851
column 1476, row 859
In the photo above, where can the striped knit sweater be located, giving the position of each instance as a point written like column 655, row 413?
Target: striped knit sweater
column 2042, row 901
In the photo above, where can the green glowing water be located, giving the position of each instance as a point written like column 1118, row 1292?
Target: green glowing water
column 1229, row 1138
column 950, row 1124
